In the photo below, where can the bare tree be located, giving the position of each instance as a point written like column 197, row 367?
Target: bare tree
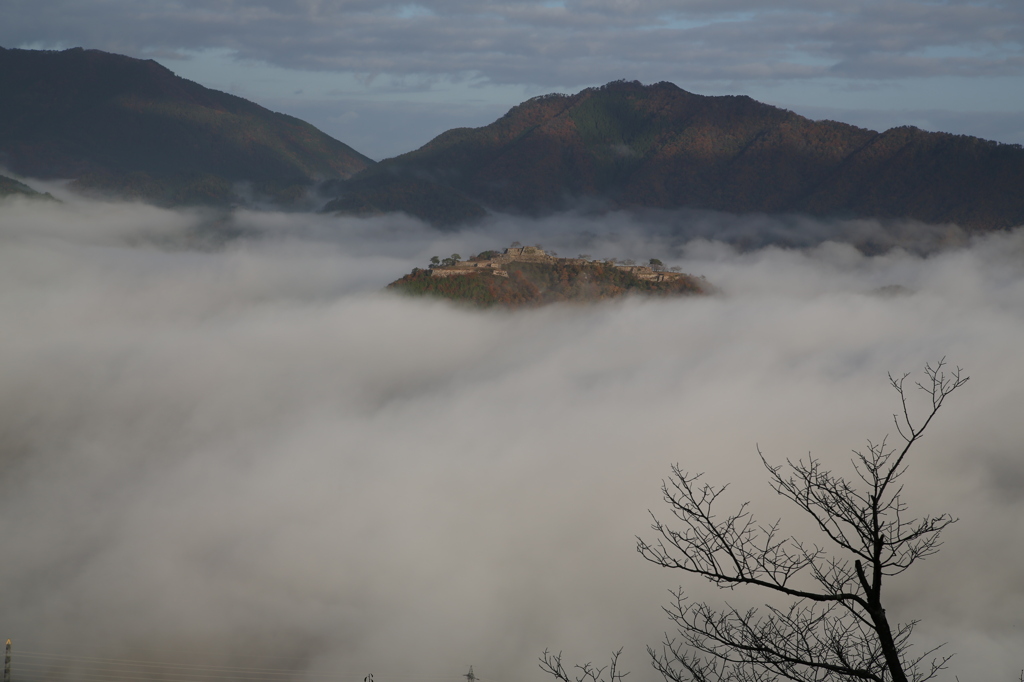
column 552, row 664
column 835, row 626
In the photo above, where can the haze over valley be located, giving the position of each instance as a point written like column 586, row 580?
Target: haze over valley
column 240, row 451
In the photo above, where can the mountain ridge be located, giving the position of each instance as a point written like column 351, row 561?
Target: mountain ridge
column 626, row 145
column 12, row 187
column 133, row 128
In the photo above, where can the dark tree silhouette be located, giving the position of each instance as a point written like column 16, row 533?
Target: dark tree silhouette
column 552, row 664
column 836, row 625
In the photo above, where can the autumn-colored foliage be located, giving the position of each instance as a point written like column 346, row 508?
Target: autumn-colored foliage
column 533, row 284
column 626, row 145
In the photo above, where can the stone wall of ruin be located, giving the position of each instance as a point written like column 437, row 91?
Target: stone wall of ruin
column 533, row 254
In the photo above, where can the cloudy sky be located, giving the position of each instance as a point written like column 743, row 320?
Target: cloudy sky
column 385, row 76
column 242, row 452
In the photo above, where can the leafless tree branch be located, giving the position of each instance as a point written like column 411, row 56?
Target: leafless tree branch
column 552, row 664
column 836, row 626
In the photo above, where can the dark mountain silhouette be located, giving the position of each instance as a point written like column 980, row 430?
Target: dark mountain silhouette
column 626, row 145
column 10, row 186
column 131, row 127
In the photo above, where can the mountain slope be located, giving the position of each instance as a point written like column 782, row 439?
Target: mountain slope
column 133, row 128
column 12, row 187
column 626, row 145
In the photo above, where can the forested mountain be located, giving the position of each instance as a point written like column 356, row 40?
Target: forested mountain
column 132, row 128
column 626, row 145
column 10, row 186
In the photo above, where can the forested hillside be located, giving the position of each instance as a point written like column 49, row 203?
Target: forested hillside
column 626, row 145
column 131, row 128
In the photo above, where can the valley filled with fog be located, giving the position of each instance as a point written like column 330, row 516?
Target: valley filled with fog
column 221, row 441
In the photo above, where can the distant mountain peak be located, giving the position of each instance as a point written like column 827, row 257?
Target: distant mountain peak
column 626, row 145
column 131, row 127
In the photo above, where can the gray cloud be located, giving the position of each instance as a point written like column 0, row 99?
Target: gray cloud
column 247, row 454
column 557, row 45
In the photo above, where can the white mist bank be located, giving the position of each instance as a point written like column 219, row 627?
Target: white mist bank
column 236, row 448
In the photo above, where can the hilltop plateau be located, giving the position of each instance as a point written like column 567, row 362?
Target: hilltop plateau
column 627, row 145
column 131, row 128
column 525, row 276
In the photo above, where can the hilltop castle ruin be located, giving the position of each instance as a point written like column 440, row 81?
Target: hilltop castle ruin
column 496, row 265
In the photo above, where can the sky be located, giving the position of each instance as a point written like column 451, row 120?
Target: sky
column 386, row 77
column 223, row 444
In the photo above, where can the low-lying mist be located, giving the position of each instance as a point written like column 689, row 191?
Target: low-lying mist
column 221, row 442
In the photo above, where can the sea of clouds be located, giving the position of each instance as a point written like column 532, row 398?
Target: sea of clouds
column 221, row 441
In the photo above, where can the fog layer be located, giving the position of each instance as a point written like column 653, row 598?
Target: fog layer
column 222, row 442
